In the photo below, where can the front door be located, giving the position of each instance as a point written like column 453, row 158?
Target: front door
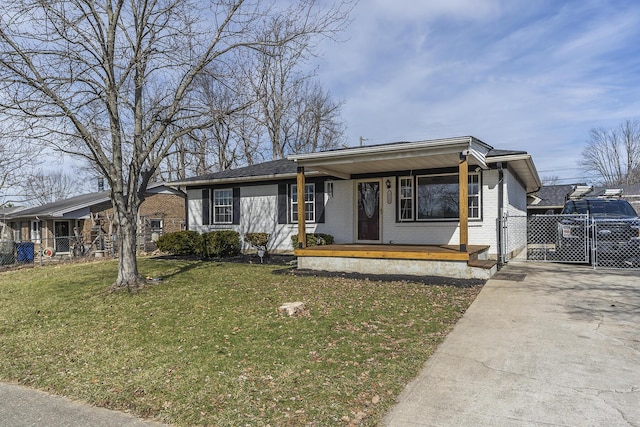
column 368, row 212
column 62, row 234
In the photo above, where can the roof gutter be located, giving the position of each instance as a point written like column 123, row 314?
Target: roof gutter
column 526, row 158
column 380, row 149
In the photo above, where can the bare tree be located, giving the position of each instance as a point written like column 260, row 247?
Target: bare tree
column 16, row 159
column 296, row 114
column 550, row 180
column 317, row 122
column 612, row 156
column 111, row 80
column 276, row 80
column 46, row 187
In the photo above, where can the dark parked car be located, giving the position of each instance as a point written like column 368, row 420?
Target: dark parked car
column 611, row 233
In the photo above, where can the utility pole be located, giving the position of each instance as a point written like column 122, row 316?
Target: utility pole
column 362, row 140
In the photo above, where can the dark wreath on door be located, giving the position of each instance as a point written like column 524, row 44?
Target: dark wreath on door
column 369, row 210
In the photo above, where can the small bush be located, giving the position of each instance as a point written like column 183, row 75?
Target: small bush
column 221, row 243
column 316, row 239
column 181, row 243
column 257, row 239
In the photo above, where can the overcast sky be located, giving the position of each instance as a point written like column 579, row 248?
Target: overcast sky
column 517, row 74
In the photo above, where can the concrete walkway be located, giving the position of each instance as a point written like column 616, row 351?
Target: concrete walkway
column 553, row 345
column 25, row 407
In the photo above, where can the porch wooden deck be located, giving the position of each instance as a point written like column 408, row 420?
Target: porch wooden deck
column 395, row 251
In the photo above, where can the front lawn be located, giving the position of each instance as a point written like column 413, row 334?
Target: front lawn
column 206, row 346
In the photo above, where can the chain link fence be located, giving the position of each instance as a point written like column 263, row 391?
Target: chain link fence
column 64, row 248
column 616, row 244
column 514, row 242
column 603, row 243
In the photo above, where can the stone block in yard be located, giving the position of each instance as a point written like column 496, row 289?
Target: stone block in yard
column 291, row 308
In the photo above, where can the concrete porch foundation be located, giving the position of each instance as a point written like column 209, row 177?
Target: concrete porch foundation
column 455, row 269
column 410, row 260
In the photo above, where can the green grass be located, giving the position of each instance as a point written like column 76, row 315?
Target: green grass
column 206, row 345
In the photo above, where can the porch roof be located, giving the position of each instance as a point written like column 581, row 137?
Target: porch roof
column 430, row 154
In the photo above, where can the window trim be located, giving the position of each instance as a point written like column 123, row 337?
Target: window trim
column 159, row 220
column 293, row 205
column 411, row 198
column 477, row 196
column 215, row 206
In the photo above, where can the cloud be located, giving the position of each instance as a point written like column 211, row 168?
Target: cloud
column 535, row 76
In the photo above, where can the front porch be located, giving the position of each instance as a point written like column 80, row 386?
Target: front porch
column 415, row 260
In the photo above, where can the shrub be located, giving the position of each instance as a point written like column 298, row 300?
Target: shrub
column 316, row 239
column 181, row 243
column 257, row 239
column 220, row 243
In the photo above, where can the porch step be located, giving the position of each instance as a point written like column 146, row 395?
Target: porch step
column 482, row 263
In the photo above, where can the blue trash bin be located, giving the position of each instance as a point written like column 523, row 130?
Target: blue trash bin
column 25, row 251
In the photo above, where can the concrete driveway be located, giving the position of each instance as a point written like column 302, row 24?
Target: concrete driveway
column 542, row 345
column 25, row 407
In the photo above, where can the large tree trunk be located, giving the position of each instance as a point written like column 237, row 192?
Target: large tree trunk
column 128, row 276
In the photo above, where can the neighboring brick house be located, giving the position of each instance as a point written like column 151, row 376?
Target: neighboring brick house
column 54, row 226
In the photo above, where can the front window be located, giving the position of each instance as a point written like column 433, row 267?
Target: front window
column 223, row 206
column 436, row 197
column 309, row 203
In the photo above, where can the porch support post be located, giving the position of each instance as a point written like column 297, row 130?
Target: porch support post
column 302, row 232
column 463, row 184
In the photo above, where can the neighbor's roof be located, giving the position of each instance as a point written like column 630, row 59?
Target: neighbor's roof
column 73, row 207
column 552, row 196
column 627, row 190
column 60, row 208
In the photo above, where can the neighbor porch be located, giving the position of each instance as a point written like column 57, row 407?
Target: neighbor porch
column 397, row 259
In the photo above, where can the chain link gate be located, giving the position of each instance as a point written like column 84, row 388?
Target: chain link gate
column 559, row 238
column 550, row 238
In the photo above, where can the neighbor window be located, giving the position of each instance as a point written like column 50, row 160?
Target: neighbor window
column 155, row 224
column 436, row 197
column 309, row 203
column 223, row 206
column 36, row 231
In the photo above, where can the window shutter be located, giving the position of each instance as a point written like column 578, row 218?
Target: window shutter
column 319, row 198
column 206, row 207
column 236, row 205
column 282, row 203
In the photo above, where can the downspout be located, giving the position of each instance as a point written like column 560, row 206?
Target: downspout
column 501, row 257
column 186, row 207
